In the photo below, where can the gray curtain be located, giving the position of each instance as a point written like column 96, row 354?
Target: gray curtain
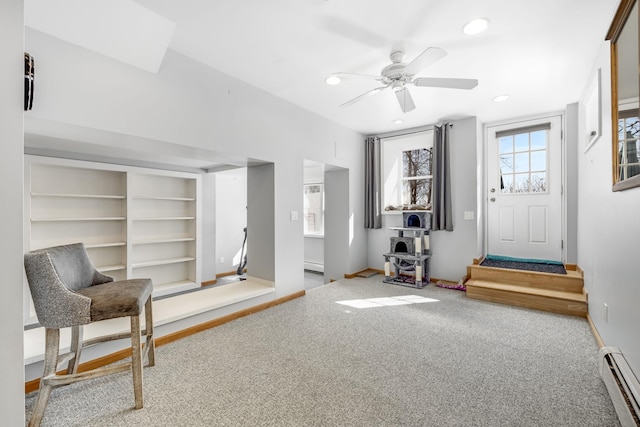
column 372, row 183
column 441, row 217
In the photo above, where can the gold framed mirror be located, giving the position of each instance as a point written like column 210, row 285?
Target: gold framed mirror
column 625, row 96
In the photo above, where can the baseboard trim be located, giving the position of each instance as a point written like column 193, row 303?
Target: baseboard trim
column 33, row 385
column 595, row 332
column 218, row 276
column 354, row 275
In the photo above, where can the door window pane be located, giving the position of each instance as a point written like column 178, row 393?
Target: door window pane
column 538, row 140
column 506, row 163
column 522, row 142
column 521, row 184
column 538, row 182
column 523, row 162
column 539, row 160
column 506, row 144
column 506, row 184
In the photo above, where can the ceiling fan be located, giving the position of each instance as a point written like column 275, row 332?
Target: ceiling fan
column 398, row 75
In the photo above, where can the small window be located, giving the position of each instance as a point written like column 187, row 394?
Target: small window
column 314, row 209
column 416, row 177
column 407, row 171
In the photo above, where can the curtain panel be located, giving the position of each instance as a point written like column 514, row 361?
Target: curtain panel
column 441, row 216
column 372, row 183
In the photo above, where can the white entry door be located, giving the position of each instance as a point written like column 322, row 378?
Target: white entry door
column 524, row 207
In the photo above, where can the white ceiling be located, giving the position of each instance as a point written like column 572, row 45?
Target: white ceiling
column 538, row 52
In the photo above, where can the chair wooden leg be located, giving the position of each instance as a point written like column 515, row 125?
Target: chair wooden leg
column 76, row 348
column 136, row 361
column 52, row 350
column 149, row 341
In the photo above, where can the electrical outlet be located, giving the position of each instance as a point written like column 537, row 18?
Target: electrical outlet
column 293, row 215
column 606, row 312
column 468, row 215
column 221, row 260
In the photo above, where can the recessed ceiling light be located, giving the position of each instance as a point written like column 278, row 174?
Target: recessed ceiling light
column 398, row 121
column 475, row 26
column 332, row 80
column 500, row 98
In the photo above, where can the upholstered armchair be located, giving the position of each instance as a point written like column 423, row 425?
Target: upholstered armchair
column 68, row 291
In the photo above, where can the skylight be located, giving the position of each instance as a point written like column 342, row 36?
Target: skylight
column 119, row 29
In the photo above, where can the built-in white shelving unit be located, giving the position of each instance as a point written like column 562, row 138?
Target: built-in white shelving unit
column 163, row 223
column 135, row 222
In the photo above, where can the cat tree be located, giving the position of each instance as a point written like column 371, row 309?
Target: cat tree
column 409, row 254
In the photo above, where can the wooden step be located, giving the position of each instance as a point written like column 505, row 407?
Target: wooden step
column 570, row 282
column 555, row 301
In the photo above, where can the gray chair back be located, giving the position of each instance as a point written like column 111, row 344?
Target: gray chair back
column 54, row 274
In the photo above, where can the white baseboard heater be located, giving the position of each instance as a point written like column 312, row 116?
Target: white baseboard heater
column 622, row 385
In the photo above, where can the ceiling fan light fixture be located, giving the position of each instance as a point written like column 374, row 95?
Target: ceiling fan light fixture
column 475, row 26
column 397, row 85
column 333, row 80
column 500, row 98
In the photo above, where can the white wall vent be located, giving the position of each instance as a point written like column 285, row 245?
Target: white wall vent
column 622, row 385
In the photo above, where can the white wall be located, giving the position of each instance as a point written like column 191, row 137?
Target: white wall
column 261, row 235
column 11, row 161
column 208, row 224
column 608, row 234
column 314, row 253
column 451, row 252
column 571, row 184
column 231, row 218
column 338, row 225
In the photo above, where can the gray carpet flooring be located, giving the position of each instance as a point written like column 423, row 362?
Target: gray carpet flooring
column 315, row 362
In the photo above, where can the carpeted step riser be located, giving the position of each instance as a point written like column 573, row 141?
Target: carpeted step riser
column 567, row 283
column 536, row 302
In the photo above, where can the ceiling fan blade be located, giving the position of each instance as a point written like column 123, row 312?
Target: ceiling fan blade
column 446, row 82
column 357, row 76
column 364, row 95
column 405, row 100
column 426, row 58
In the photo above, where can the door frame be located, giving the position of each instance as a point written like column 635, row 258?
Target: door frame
column 484, row 193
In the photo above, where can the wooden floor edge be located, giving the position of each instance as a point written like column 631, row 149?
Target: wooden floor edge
column 354, row 275
column 33, row 385
column 166, row 339
column 595, row 332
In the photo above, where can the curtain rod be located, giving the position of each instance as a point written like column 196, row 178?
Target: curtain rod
column 413, row 131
